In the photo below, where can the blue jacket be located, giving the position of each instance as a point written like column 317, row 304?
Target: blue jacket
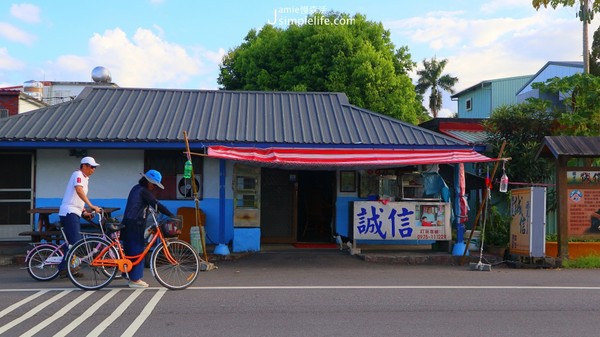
column 137, row 204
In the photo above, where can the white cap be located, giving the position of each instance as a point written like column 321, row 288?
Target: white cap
column 90, row 161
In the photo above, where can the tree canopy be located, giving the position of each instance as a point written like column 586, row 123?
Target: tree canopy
column 523, row 127
column 581, row 113
column 356, row 58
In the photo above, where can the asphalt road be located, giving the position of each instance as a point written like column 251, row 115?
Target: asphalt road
column 313, row 293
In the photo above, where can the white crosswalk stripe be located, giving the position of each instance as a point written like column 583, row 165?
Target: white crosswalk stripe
column 33, row 311
column 115, row 314
column 88, row 313
column 80, row 306
column 56, row 315
column 143, row 316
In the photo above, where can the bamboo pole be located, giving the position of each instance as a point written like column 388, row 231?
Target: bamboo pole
column 196, row 201
column 484, row 201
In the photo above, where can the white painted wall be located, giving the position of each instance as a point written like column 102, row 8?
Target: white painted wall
column 25, row 106
column 211, row 179
column 119, row 170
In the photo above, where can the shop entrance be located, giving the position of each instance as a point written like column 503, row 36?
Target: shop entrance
column 297, row 206
column 316, row 204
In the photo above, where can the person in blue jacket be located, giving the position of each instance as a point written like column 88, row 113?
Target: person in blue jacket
column 134, row 219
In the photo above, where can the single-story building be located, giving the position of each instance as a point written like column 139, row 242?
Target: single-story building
column 285, row 165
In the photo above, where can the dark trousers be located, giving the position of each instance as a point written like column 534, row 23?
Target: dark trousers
column 72, row 226
column 133, row 244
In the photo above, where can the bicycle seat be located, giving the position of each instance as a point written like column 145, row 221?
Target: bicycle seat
column 112, row 227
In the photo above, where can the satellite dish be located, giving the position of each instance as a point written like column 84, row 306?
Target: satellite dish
column 101, row 75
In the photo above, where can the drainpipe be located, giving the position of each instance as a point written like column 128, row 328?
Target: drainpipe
column 222, row 248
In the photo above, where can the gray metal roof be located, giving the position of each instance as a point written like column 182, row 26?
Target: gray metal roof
column 104, row 117
column 572, row 146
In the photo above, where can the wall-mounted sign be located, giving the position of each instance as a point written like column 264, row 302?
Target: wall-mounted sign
column 374, row 220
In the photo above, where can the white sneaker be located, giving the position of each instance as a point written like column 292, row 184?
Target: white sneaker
column 137, row 284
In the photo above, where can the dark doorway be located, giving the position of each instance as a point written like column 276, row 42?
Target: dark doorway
column 277, row 206
column 316, row 204
column 16, row 195
column 297, row 206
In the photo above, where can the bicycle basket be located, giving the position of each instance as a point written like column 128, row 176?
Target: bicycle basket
column 171, row 227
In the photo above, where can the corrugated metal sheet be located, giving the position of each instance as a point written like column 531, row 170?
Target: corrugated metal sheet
column 136, row 117
column 488, row 95
column 572, row 146
column 469, row 137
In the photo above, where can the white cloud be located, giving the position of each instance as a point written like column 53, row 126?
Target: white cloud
column 12, row 33
column 484, row 47
column 26, row 12
column 145, row 60
column 9, row 63
column 498, row 5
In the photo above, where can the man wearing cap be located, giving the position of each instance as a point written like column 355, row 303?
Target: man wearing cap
column 134, row 219
column 73, row 204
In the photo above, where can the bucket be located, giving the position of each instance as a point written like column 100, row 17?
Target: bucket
column 195, row 239
column 475, row 243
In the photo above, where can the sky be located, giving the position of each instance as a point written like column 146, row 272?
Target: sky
column 180, row 43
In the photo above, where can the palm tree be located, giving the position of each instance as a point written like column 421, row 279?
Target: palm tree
column 430, row 77
column 587, row 8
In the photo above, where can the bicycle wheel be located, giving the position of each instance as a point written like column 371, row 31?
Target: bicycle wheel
column 42, row 264
column 81, row 272
column 180, row 274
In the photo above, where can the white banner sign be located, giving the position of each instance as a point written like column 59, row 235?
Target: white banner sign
column 375, row 220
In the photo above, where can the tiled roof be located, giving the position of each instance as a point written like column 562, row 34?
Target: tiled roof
column 142, row 118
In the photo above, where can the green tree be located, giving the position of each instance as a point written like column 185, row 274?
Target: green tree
column 523, row 127
column 587, row 8
column 595, row 54
column 431, row 78
column 580, row 115
column 356, row 58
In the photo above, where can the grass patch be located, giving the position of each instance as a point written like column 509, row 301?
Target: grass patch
column 586, row 262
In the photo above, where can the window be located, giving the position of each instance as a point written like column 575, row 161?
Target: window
column 3, row 113
column 468, row 104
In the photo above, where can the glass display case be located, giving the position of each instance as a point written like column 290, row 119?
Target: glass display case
column 411, row 186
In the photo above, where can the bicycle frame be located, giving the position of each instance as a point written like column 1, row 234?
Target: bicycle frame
column 51, row 260
column 126, row 262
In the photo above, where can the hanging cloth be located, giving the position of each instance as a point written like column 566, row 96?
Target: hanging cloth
column 464, row 206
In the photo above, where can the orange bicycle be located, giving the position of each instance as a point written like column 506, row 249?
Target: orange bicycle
column 173, row 262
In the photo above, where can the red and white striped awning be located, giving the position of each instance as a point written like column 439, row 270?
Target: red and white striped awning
column 346, row 156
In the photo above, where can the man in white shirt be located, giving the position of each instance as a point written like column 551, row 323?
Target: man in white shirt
column 73, row 205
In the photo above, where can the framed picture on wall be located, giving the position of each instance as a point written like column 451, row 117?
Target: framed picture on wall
column 347, row 181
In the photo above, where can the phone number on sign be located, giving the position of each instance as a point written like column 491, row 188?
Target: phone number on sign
column 431, row 237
